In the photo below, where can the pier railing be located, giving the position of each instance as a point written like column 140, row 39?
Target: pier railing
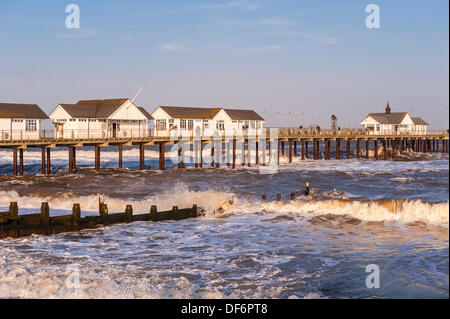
column 57, row 135
column 352, row 132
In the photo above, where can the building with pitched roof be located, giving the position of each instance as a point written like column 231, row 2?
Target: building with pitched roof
column 20, row 121
column 393, row 122
column 101, row 118
column 206, row 121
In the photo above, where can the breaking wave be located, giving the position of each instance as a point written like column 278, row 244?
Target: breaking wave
column 216, row 204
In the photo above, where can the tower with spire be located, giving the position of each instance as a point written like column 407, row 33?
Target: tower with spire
column 388, row 108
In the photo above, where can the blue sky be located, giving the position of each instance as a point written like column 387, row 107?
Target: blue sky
column 288, row 59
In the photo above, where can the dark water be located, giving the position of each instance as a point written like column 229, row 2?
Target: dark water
column 393, row 214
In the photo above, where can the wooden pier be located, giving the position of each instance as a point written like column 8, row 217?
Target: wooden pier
column 14, row 225
column 295, row 139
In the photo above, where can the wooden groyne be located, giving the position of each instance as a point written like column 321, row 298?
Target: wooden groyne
column 14, row 225
column 287, row 142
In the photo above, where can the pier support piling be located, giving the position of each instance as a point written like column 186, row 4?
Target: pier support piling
column 376, row 149
column 21, row 161
column 367, row 149
column 348, row 149
column 70, row 167
column 357, row 149
column 141, row 156
column 162, row 154
column 338, row 149
column 314, row 150
column 303, row 150
column 49, row 170
column 97, row 158
column 15, row 161
column 290, row 151
column 120, row 156
column 43, row 160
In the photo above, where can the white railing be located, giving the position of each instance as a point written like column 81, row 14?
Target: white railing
column 21, row 135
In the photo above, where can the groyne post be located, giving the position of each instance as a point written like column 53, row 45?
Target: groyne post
column 44, row 219
column 129, row 213
column 76, row 216
column 307, row 189
column 104, row 214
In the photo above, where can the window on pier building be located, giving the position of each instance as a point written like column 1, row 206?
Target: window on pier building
column 190, row 125
column 205, row 124
column 171, row 123
column 30, row 125
column 161, row 125
column 183, row 124
column 220, row 125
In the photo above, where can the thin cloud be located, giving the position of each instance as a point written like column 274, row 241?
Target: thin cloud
column 277, row 21
column 174, row 47
column 78, row 34
column 255, row 50
column 241, row 5
column 312, row 37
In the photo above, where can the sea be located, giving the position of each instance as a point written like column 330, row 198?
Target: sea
column 369, row 229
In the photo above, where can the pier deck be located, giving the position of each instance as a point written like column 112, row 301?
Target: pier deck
column 431, row 141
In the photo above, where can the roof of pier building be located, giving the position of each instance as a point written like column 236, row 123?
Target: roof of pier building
column 395, row 118
column 178, row 112
column 419, row 121
column 21, row 111
column 182, row 112
column 99, row 109
column 241, row 115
